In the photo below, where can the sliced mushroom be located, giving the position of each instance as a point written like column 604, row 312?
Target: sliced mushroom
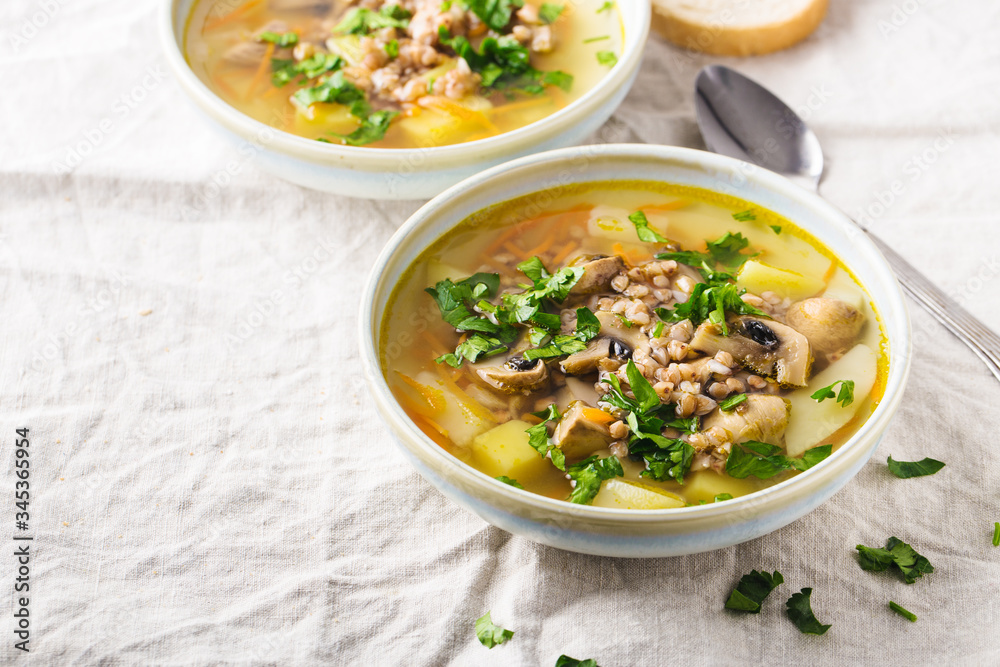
column 831, row 325
column 585, row 361
column 245, row 54
column 761, row 417
column 578, row 436
column 597, row 273
column 630, row 338
column 516, row 376
column 764, row 346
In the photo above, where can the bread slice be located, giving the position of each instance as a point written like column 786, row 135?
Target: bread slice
column 737, row 27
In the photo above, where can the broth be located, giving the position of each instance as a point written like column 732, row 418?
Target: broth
column 480, row 411
column 415, row 105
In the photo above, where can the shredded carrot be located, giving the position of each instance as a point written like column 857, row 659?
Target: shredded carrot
column 564, row 253
column 541, row 247
column 457, row 110
column 513, row 249
column 434, row 397
column 231, row 16
column 225, row 87
column 437, row 347
column 501, row 238
column 432, row 430
column 261, row 70
column 596, row 415
column 619, row 250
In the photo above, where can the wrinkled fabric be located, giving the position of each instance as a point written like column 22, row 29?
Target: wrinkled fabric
column 212, row 485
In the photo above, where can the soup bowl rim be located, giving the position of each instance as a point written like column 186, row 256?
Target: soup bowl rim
column 831, row 471
column 635, row 28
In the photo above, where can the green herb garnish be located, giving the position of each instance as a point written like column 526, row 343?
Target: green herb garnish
column 908, row 615
column 361, row 21
column 336, row 89
column 666, row 458
column 538, row 436
column 279, row 39
column 658, row 331
column 800, row 612
column 284, row 70
column 392, row 48
column 732, row 402
column 494, row 13
column 372, row 128
column 607, row 58
column 710, row 302
column 642, row 229
column 752, row 590
column 508, row 480
column 490, row 635
column 745, row 216
column 996, row 534
column 588, row 475
column 725, row 250
column 504, row 64
column 907, row 469
column 763, row 460
column 775, row 228
column 896, row 554
column 596, row 39
column 606, row 7
column 550, row 11
column 454, row 301
column 719, row 497
column 587, row 326
column 845, row 396
column 566, row 661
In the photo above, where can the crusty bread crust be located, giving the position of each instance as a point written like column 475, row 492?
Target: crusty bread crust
column 717, row 35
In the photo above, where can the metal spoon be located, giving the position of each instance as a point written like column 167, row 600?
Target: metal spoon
column 740, row 118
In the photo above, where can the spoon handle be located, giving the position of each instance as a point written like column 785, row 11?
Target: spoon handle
column 944, row 309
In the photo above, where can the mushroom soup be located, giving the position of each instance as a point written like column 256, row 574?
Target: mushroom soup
column 633, row 345
column 401, row 73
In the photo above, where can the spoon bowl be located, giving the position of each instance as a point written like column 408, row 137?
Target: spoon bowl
column 740, row 118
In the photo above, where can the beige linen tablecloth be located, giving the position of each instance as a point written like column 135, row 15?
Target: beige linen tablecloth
column 211, row 484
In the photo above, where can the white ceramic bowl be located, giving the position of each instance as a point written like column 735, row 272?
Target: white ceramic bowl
column 412, row 173
column 617, row 532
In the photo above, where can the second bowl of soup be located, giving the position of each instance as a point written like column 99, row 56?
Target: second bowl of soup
column 658, row 353
column 401, row 98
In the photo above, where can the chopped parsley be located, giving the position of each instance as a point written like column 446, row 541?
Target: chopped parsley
column 897, row 554
column 666, row 458
column 538, row 436
column 361, row 21
column 800, row 612
column 719, row 497
column 763, row 460
column 907, row 469
column 494, row 13
column 908, row 615
column 588, row 475
column 752, row 590
column 642, row 229
column 996, row 534
column 284, row 70
column 745, row 216
column 504, row 64
column 725, row 250
column 566, row 661
column 550, row 11
column 392, row 48
column 507, row 480
column 373, row 128
column 658, row 331
column 731, row 402
column 775, row 228
column 710, row 302
column 606, row 7
column 279, row 39
column 596, row 39
column 336, row 89
column 587, row 326
column 607, row 58
column 491, row 635
column 845, row 396
column 454, row 301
